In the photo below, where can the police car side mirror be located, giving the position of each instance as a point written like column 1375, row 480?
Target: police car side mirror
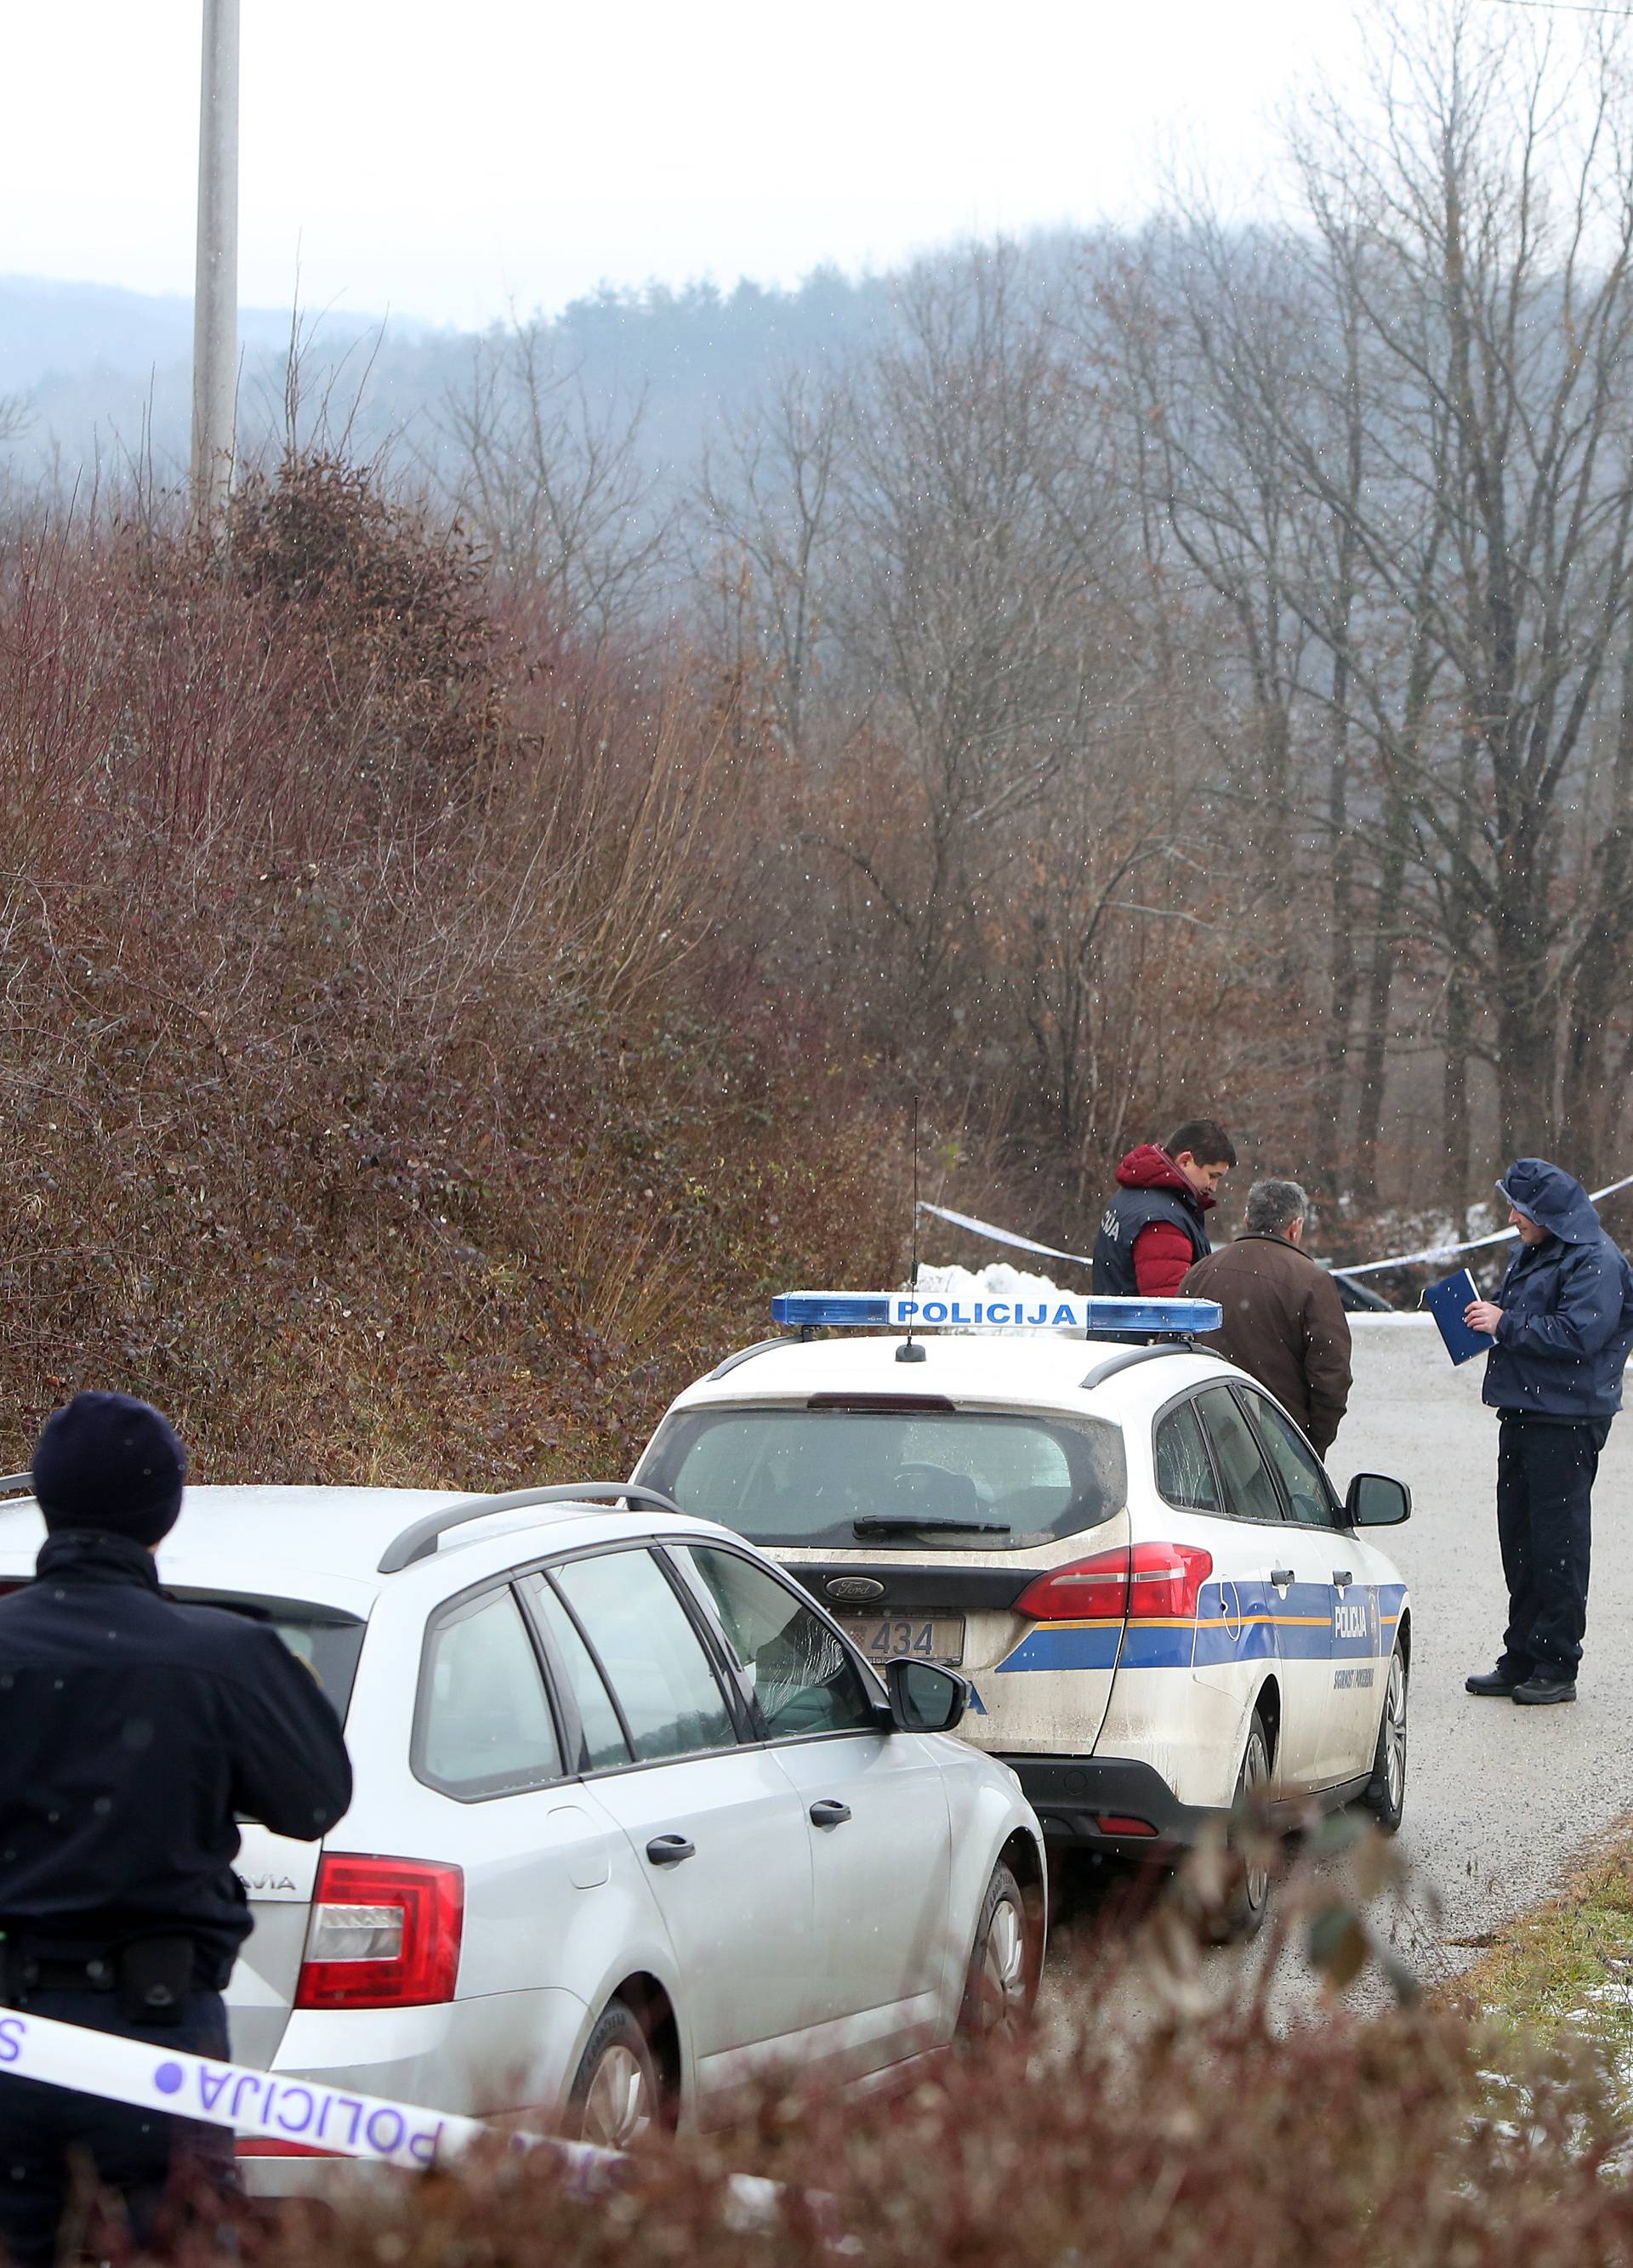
column 925, row 1698
column 1375, row 1500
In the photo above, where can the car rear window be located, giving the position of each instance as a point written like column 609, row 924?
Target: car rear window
column 326, row 1639
column 890, row 1479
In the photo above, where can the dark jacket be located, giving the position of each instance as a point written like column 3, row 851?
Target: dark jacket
column 1566, row 1324
column 1151, row 1231
column 131, row 1730
column 1284, row 1324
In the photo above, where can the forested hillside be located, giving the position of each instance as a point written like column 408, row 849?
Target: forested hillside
column 1075, row 683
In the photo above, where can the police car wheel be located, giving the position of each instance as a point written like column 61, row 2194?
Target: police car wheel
column 616, row 2095
column 999, row 1982
column 1248, row 1898
column 1386, row 1794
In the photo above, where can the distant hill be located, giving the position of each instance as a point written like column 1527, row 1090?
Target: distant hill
column 49, row 330
column 105, row 372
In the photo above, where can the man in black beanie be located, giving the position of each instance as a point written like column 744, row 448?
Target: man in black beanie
column 132, row 1730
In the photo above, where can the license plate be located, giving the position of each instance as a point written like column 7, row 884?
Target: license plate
column 906, row 1638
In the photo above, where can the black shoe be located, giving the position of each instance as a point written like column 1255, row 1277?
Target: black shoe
column 1537, row 1690
column 1492, row 1684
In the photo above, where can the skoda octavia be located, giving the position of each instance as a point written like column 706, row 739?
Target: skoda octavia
column 631, row 1817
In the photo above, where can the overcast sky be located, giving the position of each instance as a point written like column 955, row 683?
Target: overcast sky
column 453, row 160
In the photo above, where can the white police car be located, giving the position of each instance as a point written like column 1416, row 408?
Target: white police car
column 1130, row 1551
column 630, row 1818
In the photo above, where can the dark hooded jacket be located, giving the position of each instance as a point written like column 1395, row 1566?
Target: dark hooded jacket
column 1154, row 1209
column 1567, row 1324
column 132, row 1729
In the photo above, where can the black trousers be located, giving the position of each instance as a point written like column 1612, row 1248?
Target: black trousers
column 1545, row 1487
column 51, row 2137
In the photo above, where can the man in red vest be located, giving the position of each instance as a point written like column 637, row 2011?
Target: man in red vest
column 1152, row 1231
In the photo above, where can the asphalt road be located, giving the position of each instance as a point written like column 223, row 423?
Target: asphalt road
column 1498, row 1797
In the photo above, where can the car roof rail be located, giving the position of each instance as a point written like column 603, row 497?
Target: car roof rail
column 1129, row 1356
column 419, row 1540
column 747, row 1354
column 16, row 1485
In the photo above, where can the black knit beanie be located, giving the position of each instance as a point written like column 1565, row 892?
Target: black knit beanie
column 111, row 1462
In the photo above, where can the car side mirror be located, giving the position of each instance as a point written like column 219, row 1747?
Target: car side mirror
column 925, row 1698
column 1375, row 1500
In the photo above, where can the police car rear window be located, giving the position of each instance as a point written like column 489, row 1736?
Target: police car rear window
column 890, row 1479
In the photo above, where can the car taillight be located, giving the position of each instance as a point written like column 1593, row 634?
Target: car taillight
column 384, row 1934
column 1166, row 1579
column 1088, row 1590
column 1149, row 1580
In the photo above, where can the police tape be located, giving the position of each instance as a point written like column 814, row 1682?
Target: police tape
column 302, row 2111
column 1470, row 1243
column 258, row 2103
column 996, row 1235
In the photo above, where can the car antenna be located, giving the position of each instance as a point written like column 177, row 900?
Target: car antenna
column 910, row 1350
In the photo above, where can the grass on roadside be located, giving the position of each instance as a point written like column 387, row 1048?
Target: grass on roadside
column 1566, row 1966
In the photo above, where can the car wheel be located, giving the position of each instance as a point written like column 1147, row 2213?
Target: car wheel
column 616, row 2094
column 999, row 1982
column 1249, row 1897
column 1386, row 1794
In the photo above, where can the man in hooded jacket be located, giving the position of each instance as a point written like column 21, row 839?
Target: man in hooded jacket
column 1152, row 1230
column 134, row 1731
column 1562, row 1323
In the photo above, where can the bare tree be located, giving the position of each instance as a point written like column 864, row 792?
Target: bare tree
column 1434, row 482
column 765, row 514
column 966, row 614
column 1497, row 191
column 553, row 484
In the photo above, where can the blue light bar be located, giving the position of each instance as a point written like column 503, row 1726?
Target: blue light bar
column 1062, row 1311
column 871, row 1310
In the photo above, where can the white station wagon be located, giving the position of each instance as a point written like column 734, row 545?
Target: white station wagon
column 632, row 1817
column 1130, row 1551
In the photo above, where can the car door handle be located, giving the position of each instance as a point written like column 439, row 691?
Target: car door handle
column 830, row 1813
column 1342, row 1578
column 1280, row 1577
column 669, row 1850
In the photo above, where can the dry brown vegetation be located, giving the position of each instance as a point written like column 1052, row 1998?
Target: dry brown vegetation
column 381, row 1096
column 1215, row 2144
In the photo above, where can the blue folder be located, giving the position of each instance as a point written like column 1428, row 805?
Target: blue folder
column 1446, row 1302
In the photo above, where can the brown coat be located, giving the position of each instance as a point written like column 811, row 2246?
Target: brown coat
column 1284, row 1323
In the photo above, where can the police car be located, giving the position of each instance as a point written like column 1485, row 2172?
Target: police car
column 1130, row 1551
column 631, row 1817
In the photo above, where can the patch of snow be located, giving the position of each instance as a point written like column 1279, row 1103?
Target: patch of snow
column 996, row 1281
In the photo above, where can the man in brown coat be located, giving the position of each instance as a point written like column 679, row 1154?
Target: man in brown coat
column 1284, row 1322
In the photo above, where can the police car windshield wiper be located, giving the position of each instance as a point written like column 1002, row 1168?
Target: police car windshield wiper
column 901, row 1523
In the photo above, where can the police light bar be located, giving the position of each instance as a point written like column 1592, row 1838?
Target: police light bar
column 1063, row 1311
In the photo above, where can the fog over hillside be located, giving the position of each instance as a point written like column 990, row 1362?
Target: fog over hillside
column 104, row 375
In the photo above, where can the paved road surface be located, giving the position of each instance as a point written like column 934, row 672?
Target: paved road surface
column 1497, row 1796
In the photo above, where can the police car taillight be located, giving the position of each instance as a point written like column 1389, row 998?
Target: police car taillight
column 1166, row 1579
column 1150, row 1579
column 384, row 1934
column 1089, row 1590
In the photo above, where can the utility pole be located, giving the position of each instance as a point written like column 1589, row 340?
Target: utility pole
column 215, row 292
